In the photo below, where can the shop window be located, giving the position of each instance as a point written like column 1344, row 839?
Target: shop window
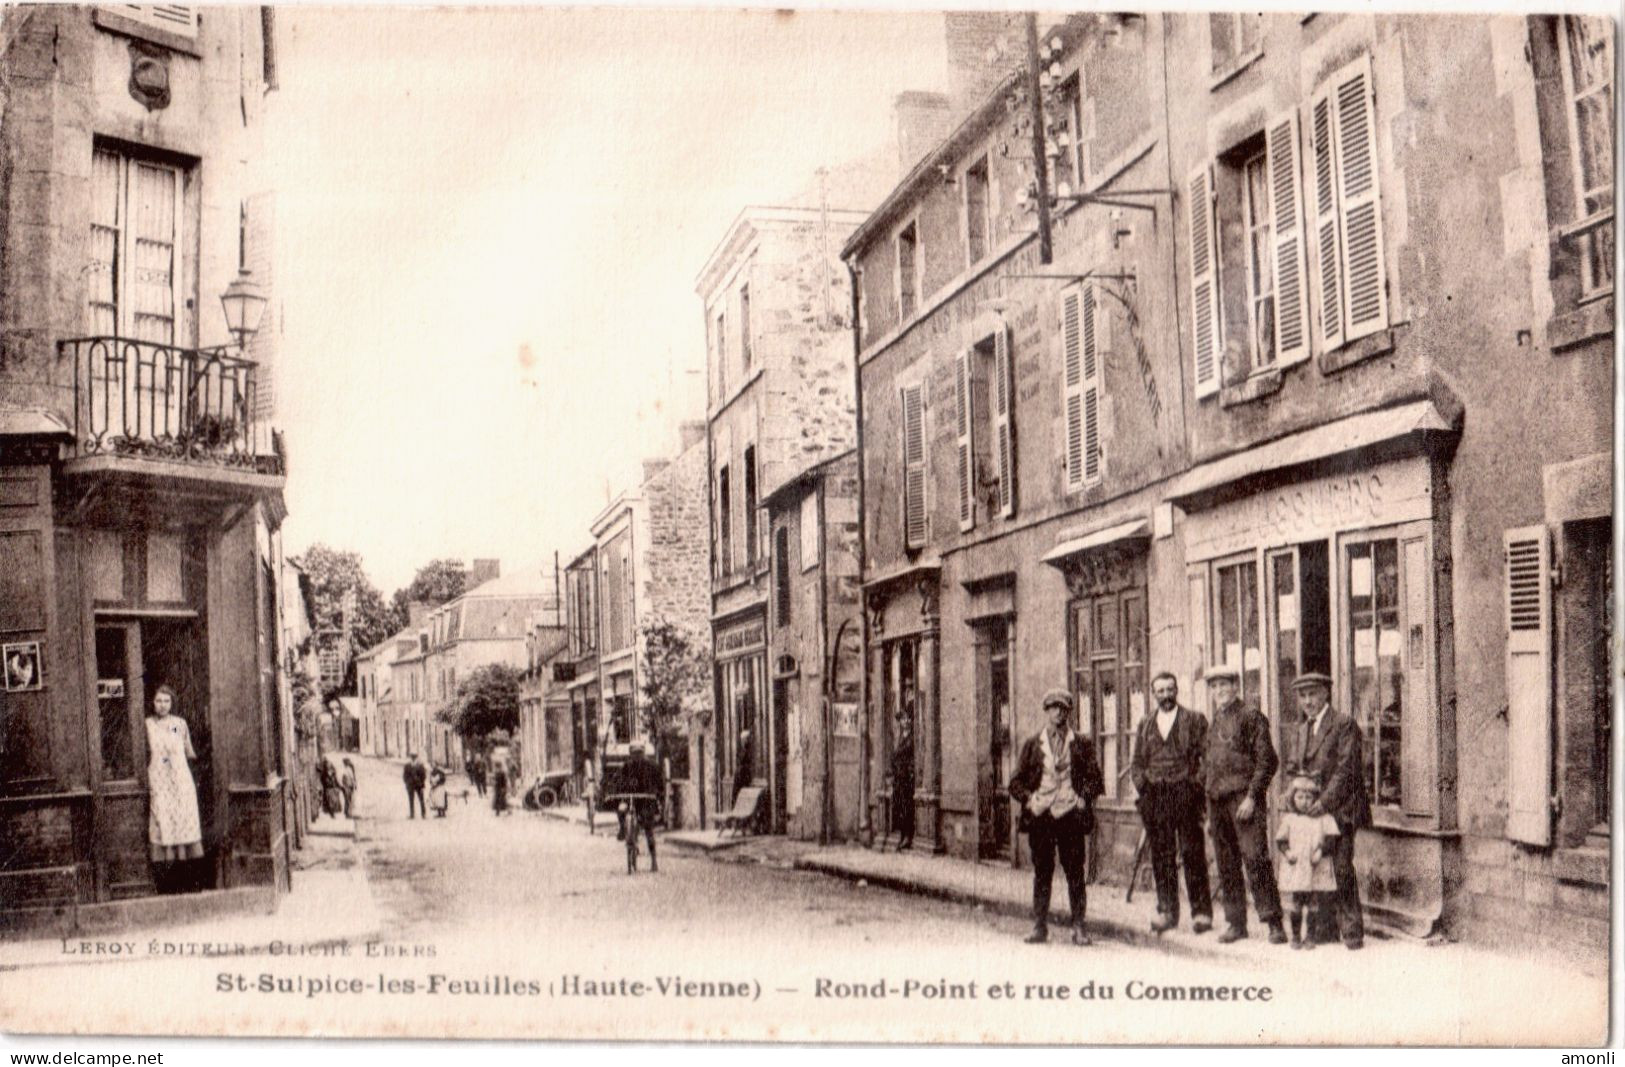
column 916, row 524
column 908, row 271
column 1586, row 46
column 1387, row 630
column 1235, row 38
column 1236, row 626
column 978, row 212
column 1081, row 343
column 1109, row 679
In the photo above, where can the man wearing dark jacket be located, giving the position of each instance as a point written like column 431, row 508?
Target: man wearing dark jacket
column 1236, row 768
column 1329, row 751
column 1167, row 775
column 1056, row 783
column 416, row 776
column 642, row 776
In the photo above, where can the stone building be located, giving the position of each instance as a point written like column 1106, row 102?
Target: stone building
column 546, row 742
column 140, row 481
column 1252, row 413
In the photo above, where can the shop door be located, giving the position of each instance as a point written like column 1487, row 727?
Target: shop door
column 1298, row 606
column 993, row 698
column 172, row 654
column 122, row 869
column 1109, row 680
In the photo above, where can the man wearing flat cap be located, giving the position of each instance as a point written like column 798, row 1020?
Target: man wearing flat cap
column 1329, row 750
column 1236, row 768
column 1056, row 783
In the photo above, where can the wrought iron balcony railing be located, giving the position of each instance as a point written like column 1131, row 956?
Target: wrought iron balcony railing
column 194, row 405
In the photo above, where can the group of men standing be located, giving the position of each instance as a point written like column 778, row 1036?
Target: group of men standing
column 1189, row 772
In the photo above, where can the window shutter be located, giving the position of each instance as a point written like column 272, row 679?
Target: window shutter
column 176, row 18
column 1204, row 282
column 915, row 528
column 1004, row 394
column 1286, row 190
column 963, row 455
column 1529, row 685
column 1091, row 386
column 1072, row 381
column 1328, row 241
column 1365, row 290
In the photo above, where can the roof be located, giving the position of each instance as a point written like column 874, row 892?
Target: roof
column 733, row 239
column 490, row 618
column 520, row 584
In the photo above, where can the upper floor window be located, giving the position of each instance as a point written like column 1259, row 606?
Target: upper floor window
column 135, row 235
column 751, row 546
column 984, row 396
column 725, row 555
column 1068, row 166
column 719, row 352
column 1081, row 381
column 978, row 212
column 908, row 271
column 1587, row 50
column 744, row 328
column 1260, row 256
column 781, row 576
column 916, row 521
column 1235, row 37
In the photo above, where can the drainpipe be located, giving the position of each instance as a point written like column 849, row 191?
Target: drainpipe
column 868, row 826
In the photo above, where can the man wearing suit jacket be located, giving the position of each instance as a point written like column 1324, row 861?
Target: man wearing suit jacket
column 1056, row 783
column 1329, row 750
column 1167, row 775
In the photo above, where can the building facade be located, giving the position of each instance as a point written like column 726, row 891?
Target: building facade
column 142, row 486
column 1247, row 415
column 547, row 743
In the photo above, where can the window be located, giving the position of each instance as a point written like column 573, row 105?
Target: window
column 809, row 531
column 725, row 554
column 719, row 352
column 908, row 271
column 978, row 212
column 985, row 450
column 134, row 234
column 1351, row 277
column 618, row 592
column 1587, row 50
column 744, row 329
column 781, row 576
column 1108, row 659
column 1260, row 269
column 1065, row 141
column 964, row 438
column 751, row 546
column 1081, row 379
column 916, row 525
column 1236, row 626
column 1235, row 38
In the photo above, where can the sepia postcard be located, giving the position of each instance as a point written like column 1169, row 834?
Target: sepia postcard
column 807, row 525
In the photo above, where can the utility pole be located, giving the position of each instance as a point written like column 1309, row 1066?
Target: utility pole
column 1046, row 253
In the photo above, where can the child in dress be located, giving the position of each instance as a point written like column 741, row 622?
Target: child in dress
column 1304, row 842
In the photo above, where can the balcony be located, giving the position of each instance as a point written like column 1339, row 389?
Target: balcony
column 177, row 420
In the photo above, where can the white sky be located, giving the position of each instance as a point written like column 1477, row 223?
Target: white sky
column 456, row 184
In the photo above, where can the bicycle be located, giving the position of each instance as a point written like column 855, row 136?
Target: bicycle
column 627, row 803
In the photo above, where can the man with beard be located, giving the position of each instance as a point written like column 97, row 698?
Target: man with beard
column 1167, row 774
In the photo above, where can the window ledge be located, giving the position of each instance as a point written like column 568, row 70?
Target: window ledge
column 1585, row 866
column 123, row 25
column 1585, row 323
column 1380, row 343
column 1241, row 63
column 1261, row 384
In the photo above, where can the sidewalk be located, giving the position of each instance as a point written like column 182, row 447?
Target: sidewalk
column 330, row 903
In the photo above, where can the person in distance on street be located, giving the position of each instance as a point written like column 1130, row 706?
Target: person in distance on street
column 642, row 775
column 1237, row 767
column 416, row 776
column 902, row 781
column 1056, row 783
column 1167, row 774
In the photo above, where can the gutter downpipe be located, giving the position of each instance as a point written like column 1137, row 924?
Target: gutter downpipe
column 867, row 828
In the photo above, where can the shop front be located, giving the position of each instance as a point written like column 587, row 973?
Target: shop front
column 905, row 723
column 1343, row 568
column 743, row 756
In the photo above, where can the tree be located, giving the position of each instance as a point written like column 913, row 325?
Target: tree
column 333, row 574
column 676, row 681
column 487, row 700
column 436, row 582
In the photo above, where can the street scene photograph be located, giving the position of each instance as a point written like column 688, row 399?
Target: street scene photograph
column 917, row 527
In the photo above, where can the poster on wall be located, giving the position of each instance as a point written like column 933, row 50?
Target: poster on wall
column 22, row 666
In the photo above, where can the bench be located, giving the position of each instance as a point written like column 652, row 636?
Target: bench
column 745, row 811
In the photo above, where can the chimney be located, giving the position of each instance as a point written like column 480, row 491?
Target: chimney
column 415, row 611
column 484, row 570
column 652, row 467
column 923, row 122
column 690, row 433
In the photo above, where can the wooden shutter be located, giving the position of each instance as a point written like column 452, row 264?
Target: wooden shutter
column 964, row 457
column 1091, row 386
column 1286, row 193
column 176, row 18
column 1364, row 285
column 1004, row 394
column 1529, row 685
column 1204, row 282
column 1328, row 236
column 1072, row 384
column 915, row 527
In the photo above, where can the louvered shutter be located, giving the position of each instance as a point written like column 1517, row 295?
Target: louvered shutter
column 1004, row 392
column 1204, row 282
column 1091, row 386
column 1364, row 290
column 1529, row 685
column 964, row 457
column 915, row 529
column 176, row 18
column 1328, row 237
column 1072, row 384
column 1286, row 192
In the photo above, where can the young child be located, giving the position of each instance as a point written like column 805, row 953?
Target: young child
column 1304, row 841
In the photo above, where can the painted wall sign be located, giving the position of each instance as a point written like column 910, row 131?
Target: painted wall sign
column 744, row 638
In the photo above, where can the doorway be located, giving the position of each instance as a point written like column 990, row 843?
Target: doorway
column 994, row 736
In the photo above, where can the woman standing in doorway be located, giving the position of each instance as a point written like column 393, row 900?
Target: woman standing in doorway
column 174, row 834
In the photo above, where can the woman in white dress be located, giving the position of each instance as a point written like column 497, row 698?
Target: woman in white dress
column 173, row 831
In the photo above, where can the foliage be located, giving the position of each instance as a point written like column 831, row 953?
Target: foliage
column 676, row 679
column 306, row 708
column 334, row 572
column 436, row 582
column 487, row 700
